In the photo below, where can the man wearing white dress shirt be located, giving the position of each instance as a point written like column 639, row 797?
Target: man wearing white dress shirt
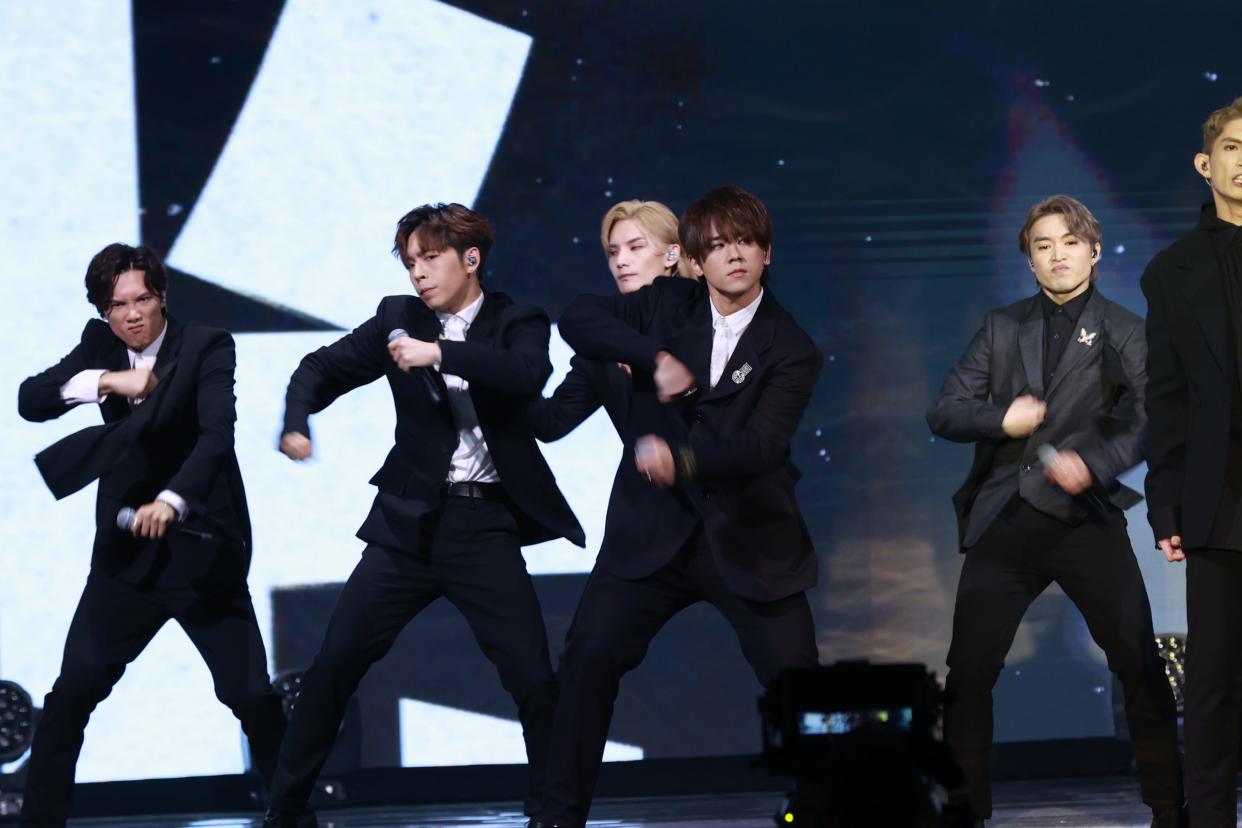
column 463, row 489
column 165, row 452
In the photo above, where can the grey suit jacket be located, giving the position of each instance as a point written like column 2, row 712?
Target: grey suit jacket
column 1095, row 407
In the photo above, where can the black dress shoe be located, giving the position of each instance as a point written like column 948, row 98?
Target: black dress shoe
column 283, row 819
column 1170, row 818
column 539, row 823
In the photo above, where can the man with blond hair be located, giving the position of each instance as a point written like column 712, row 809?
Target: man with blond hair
column 1050, row 391
column 1194, row 457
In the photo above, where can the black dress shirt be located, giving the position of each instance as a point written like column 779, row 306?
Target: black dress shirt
column 1060, row 324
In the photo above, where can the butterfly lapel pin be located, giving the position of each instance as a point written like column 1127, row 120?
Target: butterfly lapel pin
column 1085, row 338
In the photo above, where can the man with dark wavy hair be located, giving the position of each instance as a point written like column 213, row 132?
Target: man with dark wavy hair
column 166, row 452
column 1050, row 392
column 1194, row 456
column 463, row 489
column 706, row 511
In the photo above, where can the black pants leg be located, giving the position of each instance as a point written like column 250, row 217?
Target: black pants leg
column 223, row 628
column 997, row 584
column 477, row 560
column 386, row 589
column 615, row 622
column 1095, row 565
column 1213, row 648
column 113, row 623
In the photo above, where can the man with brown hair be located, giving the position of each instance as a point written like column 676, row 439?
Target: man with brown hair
column 1050, row 391
column 1194, row 457
column 706, row 512
column 461, row 492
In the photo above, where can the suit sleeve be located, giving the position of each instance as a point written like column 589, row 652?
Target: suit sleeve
column 519, row 366
column 217, row 416
column 762, row 444
column 356, row 359
column 573, row 401
column 964, row 411
column 1166, row 400
column 617, row 328
column 1117, row 442
column 38, row 398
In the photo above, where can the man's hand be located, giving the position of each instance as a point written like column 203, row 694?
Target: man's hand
column 409, row 353
column 1069, row 472
column 152, row 520
column 654, row 460
column 1172, row 549
column 1025, row 414
column 136, row 383
column 295, row 446
column 672, row 377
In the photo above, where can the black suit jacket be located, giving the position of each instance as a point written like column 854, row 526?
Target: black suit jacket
column 1190, row 371
column 505, row 360
column 735, row 478
column 1095, row 407
column 589, row 384
column 180, row 438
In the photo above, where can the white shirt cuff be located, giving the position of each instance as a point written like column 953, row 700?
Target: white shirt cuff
column 83, row 387
column 174, row 500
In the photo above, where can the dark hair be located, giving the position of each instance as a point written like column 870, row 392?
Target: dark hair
column 1078, row 219
column 108, row 264
column 733, row 214
column 441, row 226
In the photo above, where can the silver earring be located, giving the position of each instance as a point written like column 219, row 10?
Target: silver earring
column 471, row 260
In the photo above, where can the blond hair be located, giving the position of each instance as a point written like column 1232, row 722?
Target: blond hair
column 1215, row 123
column 657, row 221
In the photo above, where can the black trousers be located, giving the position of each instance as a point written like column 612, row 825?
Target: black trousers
column 1213, row 661
column 113, row 623
column 471, row 557
column 615, row 622
column 1015, row 560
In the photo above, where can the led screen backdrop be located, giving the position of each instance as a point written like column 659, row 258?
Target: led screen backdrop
column 268, row 147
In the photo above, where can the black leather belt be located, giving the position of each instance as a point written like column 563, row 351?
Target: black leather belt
column 479, row 491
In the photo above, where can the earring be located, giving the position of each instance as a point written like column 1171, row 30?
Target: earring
column 471, row 260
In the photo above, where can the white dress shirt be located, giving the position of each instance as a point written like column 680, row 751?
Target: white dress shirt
column 726, row 331
column 472, row 462
column 83, row 387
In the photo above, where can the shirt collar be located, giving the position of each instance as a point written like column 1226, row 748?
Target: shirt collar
column 739, row 320
column 466, row 314
column 153, row 349
column 1072, row 308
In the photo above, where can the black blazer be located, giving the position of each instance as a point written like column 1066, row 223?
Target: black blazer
column 180, row 438
column 1095, row 407
column 735, row 476
column 1189, row 369
column 589, row 384
column 505, row 360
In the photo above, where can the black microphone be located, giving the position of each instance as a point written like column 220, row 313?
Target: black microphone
column 125, row 522
column 425, row 373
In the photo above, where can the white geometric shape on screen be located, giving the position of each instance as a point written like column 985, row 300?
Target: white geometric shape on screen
column 358, row 113
column 434, row 735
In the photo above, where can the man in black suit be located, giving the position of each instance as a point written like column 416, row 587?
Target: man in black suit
column 1050, row 391
column 460, row 493
column 166, row 395
column 721, row 377
column 1194, row 457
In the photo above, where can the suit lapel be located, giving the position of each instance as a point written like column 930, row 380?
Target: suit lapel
column 745, row 359
column 166, row 359
column 1203, row 291
column 483, row 328
column 1031, row 346
column 693, row 343
column 1085, row 337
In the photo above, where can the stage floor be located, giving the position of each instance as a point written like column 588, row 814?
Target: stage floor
column 1065, row 803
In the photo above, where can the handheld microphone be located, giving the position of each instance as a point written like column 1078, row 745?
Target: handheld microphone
column 125, row 522
column 1050, row 457
column 425, row 373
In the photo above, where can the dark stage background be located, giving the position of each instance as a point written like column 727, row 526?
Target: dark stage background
column 268, row 148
